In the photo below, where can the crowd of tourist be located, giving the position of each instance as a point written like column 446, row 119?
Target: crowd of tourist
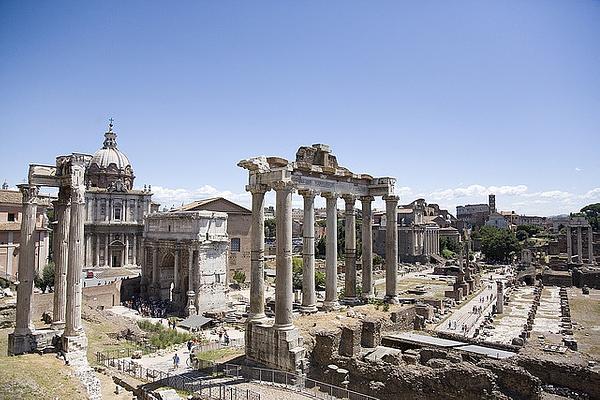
column 148, row 308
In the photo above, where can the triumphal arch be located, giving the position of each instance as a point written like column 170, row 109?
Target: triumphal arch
column 277, row 343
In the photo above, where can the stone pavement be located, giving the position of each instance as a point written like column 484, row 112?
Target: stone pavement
column 510, row 324
column 465, row 315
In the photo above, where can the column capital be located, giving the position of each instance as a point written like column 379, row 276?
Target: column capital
column 308, row 193
column 257, row 189
column 391, row 198
column 365, row 199
column 283, row 186
column 29, row 193
column 329, row 195
column 349, row 198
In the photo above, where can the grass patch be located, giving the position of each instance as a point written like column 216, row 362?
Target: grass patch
column 34, row 377
column 219, row 354
column 162, row 337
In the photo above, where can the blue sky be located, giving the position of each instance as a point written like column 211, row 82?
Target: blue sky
column 455, row 99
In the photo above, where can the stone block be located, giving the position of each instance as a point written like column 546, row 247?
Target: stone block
column 350, row 341
column 425, row 311
column 275, row 348
column 326, row 345
column 371, row 333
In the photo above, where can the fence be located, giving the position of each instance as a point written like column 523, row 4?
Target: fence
column 192, row 382
column 299, row 383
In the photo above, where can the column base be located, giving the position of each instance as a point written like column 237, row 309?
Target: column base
column 331, row 305
column 283, row 327
column 58, row 326
column 33, row 342
column 391, row 299
column 256, row 317
column 308, row 309
column 275, row 348
column 71, row 344
column 351, row 301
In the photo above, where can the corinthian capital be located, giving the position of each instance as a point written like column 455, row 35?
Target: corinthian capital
column 29, row 193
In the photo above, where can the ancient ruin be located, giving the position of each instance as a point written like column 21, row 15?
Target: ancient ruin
column 315, row 171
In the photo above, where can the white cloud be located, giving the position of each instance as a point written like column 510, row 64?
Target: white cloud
column 477, row 191
column 168, row 197
column 577, row 169
column 592, row 194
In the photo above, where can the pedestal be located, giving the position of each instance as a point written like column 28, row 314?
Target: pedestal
column 275, row 348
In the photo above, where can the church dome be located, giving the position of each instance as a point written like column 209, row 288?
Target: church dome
column 109, row 165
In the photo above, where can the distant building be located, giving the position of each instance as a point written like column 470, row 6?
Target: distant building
column 115, row 211
column 497, row 220
column 186, row 260
column 11, row 206
column 476, row 215
column 418, row 234
column 239, row 222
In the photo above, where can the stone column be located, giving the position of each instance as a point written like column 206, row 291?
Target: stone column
column 283, row 283
column 26, row 268
column 134, row 255
column 62, row 211
column 590, row 246
column 350, row 250
column 73, row 326
column 88, row 250
column 391, row 248
column 97, row 258
column 499, row 297
column 569, row 244
column 176, row 285
column 106, row 257
column 126, row 249
column 155, row 273
column 191, row 295
column 257, row 253
column 331, row 301
column 367, row 247
column 579, row 246
column 309, row 297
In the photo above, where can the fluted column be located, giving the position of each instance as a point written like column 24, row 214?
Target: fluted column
column 62, row 211
column 569, row 244
column 391, row 248
column 155, row 273
column 88, row 250
column 283, row 283
column 331, row 300
column 590, row 246
column 106, row 256
column 73, row 326
column 134, row 252
column 309, row 297
column 257, row 254
column 97, row 258
column 26, row 269
column 367, row 247
column 350, row 250
column 579, row 246
column 126, row 257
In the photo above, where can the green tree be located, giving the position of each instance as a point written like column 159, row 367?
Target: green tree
column 319, row 279
column 521, row 235
column 239, row 277
column 46, row 280
column 270, row 227
column 531, row 230
column 498, row 244
column 320, row 247
column 592, row 214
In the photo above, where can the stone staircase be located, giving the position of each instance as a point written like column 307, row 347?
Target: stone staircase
column 76, row 355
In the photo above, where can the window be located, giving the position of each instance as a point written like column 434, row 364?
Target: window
column 235, row 244
column 117, row 212
column 11, row 217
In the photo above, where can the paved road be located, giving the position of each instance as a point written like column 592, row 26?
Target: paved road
column 465, row 315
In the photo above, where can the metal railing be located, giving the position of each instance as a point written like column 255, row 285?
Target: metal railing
column 295, row 382
column 191, row 382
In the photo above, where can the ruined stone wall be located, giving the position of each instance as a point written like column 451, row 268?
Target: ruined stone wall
column 557, row 373
column 429, row 374
column 103, row 296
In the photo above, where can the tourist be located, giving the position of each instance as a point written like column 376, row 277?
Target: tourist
column 176, row 361
column 189, row 345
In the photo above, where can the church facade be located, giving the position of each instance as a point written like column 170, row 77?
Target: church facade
column 115, row 211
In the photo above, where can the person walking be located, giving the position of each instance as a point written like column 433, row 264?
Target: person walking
column 176, row 361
